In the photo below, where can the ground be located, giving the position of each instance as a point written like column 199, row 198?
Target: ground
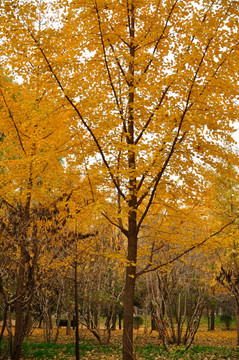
column 208, row 345
column 213, row 345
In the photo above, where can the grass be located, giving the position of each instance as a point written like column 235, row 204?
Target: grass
column 194, row 353
column 213, row 345
column 219, row 324
column 90, row 349
column 67, row 351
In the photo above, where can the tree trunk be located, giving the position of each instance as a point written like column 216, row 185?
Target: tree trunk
column 129, row 298
column 128, row 316
column 212, row 316
column 69, row 319
column 77, row 337
column 120, row 321
column 237, row 318
column 4, row 323
column 19, row 330
column 153, row 323
column 114, row 318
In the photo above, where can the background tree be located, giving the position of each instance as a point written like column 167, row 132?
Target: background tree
column 179, row 296
column 224, row 197
column 33, row 200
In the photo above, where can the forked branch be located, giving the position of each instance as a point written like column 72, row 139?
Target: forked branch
column 181, row 254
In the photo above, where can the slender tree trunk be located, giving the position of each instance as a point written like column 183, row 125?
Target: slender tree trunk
column 21, row 322
column 120, row 321
column 5, row 314
column 237, row 318
column 4, row 323
column 212, row 316
column 128, row 318
column 69, row 319
column 77, row 340
column 18, row 335
column 128, row 353
column 58, row 316
column 114, row 318
column 153, row 322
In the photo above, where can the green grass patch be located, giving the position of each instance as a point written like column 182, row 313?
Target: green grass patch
column 196, row 352
column 45, row 351
column 66, row 351
column 219, row 325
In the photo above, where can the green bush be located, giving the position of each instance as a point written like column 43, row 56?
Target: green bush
column 227, row 320
column 137, row 322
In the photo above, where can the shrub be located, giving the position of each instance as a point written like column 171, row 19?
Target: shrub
column 137, row 322
column 227, row 320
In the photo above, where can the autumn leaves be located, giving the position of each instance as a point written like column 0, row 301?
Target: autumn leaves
column 123, row 111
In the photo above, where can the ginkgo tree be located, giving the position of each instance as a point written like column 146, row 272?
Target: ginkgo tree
column 152, row 85
column 35, row 194
column 22, row 175
column 224, row 194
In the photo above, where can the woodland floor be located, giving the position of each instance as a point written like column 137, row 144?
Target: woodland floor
column 227, row 338
column 208, row 345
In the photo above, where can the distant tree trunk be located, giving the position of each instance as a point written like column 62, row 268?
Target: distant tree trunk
column 120, row 321
column 74, row 322
column 69, row 319
column 30, row 323
column 212, row 317
column 96, row 322
column 153, row 323
column 47, row 322
column 9, row 331
column 58, row 316
column 237, row 318
column 114, row 318
column 40, row 321
column 211, row 314
column 77, row 339
column 4, row 324
column 208, row 320
column 49, row 316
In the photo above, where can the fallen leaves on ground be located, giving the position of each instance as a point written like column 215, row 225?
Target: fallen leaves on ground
column 216, row 338
column 204, row 338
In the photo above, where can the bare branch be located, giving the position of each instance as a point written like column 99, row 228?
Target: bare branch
column 119, row 226
column 13, row 121
column 152, row 114
column 177, row 257
column 160, row 37
column 107, row 64
column 70, row 101
column 175, row 141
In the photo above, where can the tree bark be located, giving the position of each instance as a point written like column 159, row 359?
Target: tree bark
column 114, row 318
column 120, row 321
column 212, row 316
column 19, row 330
column 237, row 318
column 128, row 353
column 77, row 338
column 69, row 319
